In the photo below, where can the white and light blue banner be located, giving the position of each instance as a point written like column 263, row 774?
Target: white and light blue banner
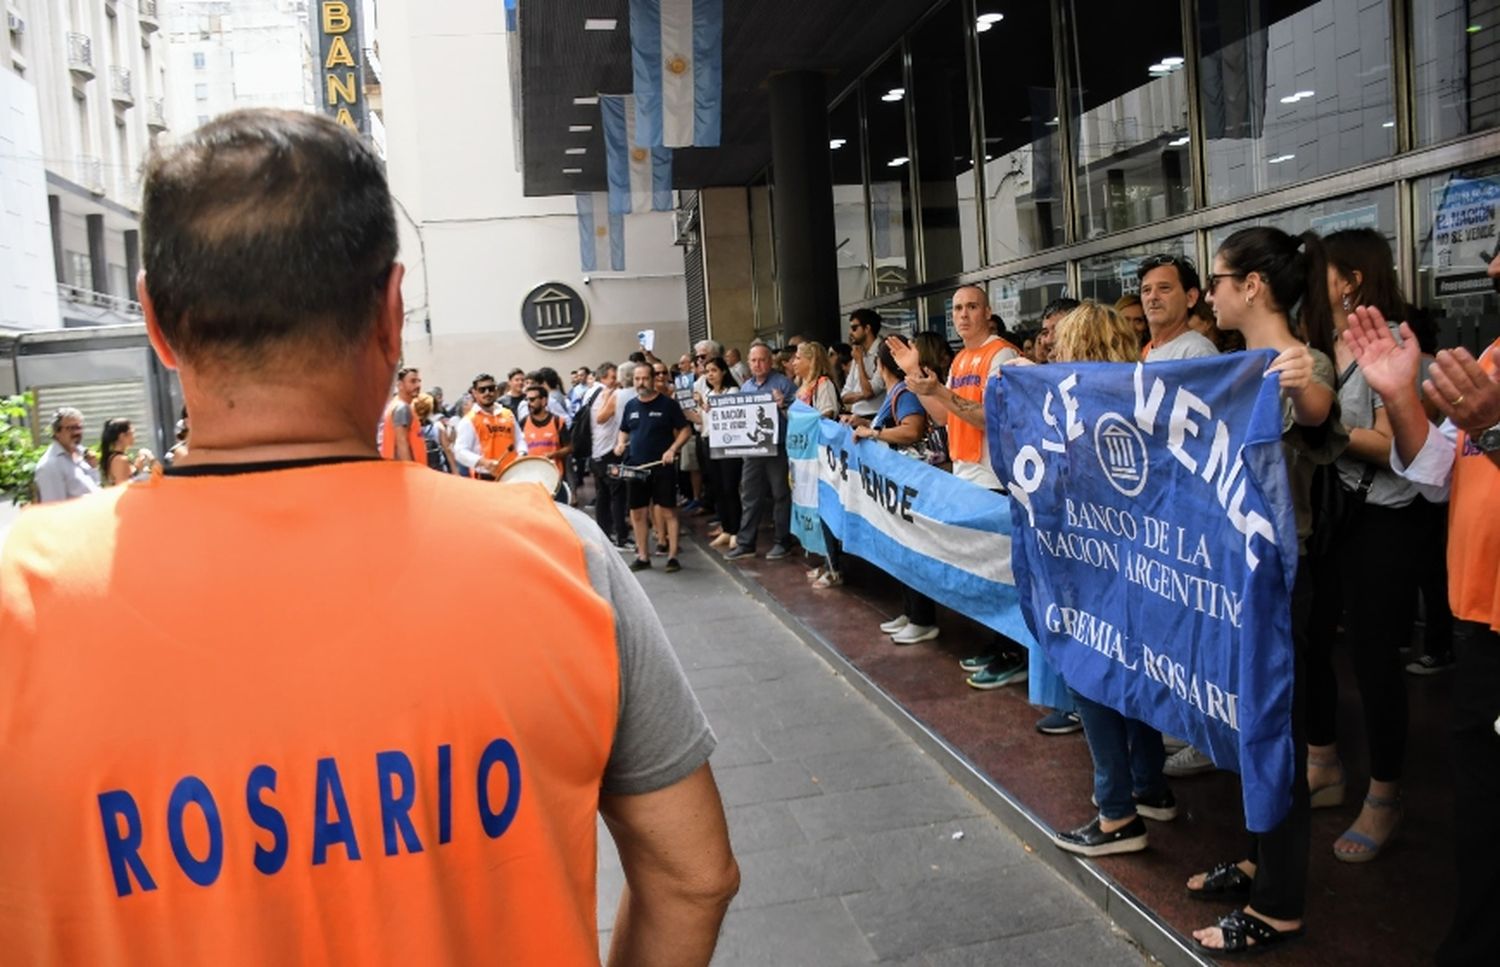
column 677, row 56
column 601, row 234
column 1156, row 543
column 802, row 439
column 948, row 538
column 640, row 178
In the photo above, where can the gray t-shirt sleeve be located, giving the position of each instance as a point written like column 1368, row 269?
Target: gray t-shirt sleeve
column 401, row 415
column 662, row 735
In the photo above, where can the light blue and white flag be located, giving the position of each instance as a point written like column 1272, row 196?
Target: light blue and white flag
column 802, row 438
column 677, row 52
column 640, row 178
column 598, row 227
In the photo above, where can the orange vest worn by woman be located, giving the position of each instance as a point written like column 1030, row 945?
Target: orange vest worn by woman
column 1474, row 527
column 317, row 773
column 413, row 433
column 966, row 379
column 543, row 441
column 497, row 435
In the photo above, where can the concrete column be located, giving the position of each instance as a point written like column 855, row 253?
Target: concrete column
column 132, row 262
column 802, row 207
column 98, row 258
column 54, row 214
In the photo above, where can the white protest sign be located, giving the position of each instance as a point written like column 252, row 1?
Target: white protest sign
column 1463, row 234
column 743, row 425
column 647, row 339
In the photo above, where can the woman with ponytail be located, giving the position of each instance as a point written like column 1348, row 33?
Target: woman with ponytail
column 1260, row 277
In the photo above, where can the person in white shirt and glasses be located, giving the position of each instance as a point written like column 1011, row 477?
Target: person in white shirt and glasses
column 66, row 470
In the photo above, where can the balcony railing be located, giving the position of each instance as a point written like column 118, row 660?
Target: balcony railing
column 156, row 113
column 119, row 86
column 81, row 55
column 88, row 297
column 90, row 171
column 147, row 10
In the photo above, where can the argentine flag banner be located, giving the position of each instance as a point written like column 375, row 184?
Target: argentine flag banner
column 946, row 537
column 601, row 235
column 802, row 438
column 640, row 178
column 1156, row 548
column 677, row 56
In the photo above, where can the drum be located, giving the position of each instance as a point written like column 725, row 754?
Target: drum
column 542, row 470
column 622, row 471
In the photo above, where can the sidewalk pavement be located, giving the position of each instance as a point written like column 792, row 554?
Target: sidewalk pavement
column 854, row 846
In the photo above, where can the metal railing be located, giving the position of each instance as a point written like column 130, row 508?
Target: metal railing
column 119, row 85
column 80, row 54
column 156, row 113
column 148, row 17
column 77, row 295
column 90, row 171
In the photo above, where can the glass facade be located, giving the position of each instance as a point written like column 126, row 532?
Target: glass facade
column 1040, row 148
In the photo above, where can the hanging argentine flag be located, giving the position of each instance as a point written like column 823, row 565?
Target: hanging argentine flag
column 640, row 178
column 677, row 52
column 597, row 226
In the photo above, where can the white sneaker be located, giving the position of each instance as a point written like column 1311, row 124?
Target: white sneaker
column 912, row 634
column 894, row 625
column 1187, row 761
column 829, row 579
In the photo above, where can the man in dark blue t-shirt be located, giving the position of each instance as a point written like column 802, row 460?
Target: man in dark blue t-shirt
column 652, row 431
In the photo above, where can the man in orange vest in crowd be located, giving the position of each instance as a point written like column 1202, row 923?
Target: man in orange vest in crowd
column 960, row 407
column 400, row 430
column 1459, row 461
column 347, row 776
column 545, row 434
column 488, row 439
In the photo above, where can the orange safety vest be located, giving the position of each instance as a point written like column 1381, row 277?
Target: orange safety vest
column 542, row 441
column 966, row 379
column 1473, row 528
column 497, row 435
column 323, row 776
column 413, row 434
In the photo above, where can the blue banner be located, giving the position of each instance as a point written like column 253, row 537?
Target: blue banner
column 1157, row 548
column 802, row 438
column 944, row 536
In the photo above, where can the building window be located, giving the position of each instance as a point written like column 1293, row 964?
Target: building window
column 890, row 177
column 1288, row 99
column 200, row 91
column 80, row 271
column 1456, row 216
column 1105, row 278
column 1130, row 96
column 1369, row 209
column 1019, row 299
column 851, row 232
column 1455, row 60
column 200, row 60
column 1023, row 177
column 947, row 192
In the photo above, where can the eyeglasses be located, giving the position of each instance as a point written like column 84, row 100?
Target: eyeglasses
column 1214, row 277
column 485, row 389
column 701, row 357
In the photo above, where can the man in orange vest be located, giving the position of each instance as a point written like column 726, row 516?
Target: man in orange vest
column 544, row 432
column 400, row 430
column 960, row 407
column 488, row 439
column 348, row 776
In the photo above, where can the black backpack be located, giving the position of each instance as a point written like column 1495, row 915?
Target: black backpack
column 583, row 431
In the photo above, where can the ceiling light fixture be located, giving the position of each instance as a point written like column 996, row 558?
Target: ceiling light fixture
column 599, row 23
column 576, row 151
column 1389, row 124
column 1279, row 159
column 991, row 18
column 1179, row 142
column 1473, row 28
column 894, row 94
column 580, row 128
column 896, row 162
column 836, row 143
column 1052, row 123
column 1173, row 61
column 572, row 171
column 585, row 101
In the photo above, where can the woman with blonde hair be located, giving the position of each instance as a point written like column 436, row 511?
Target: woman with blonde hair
column 1095, row 333
column 815, row 385
column 1129, row 306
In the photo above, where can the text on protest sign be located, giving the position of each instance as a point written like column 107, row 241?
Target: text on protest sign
column 1155, row 548
column 743, row 425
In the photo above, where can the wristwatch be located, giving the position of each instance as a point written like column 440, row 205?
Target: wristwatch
column 1487, row 441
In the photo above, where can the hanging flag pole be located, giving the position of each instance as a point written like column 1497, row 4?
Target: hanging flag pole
column 677, row 59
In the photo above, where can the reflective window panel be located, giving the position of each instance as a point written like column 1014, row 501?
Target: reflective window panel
column 1105, row 278
column 1368, row 209
column 1455, row 67
column 851, row 234
column 1131, row 99
column 1023, row 177
column 901, row 318
column 1456, row 217
column 1292, row 90
column 1018, row 299
column 890, row 177
column 944, row 147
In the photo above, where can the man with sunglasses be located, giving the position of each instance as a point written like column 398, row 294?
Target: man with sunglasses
column 1169, row 291
column 864, row 390
column 488, row 440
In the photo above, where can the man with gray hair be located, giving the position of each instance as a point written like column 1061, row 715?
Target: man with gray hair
column 66, row 469
column 737, row 365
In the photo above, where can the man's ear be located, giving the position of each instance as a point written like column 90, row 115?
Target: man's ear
column 392, row 315
column 153, row 324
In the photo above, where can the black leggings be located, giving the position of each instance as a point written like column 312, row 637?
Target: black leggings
column 1371, row 579
column 723, row 477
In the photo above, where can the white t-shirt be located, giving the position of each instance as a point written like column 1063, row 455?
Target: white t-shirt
column 1192, row 344
column 871, row 406
column 606, row 434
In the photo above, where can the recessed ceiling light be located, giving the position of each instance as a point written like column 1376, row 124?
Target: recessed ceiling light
column 991, row 18
column 580, row 128
column 1173, row 61
column 600, row 23
column 1179, row 142
column 1389, row 124
column 1279, row 159
column 1305, row 94
column 836, row 143
column 894, row 94
column 572, row 171
column 585, row 101
column 1159, row 70
column 896, row 162
column 982, row 27
column 576, row 151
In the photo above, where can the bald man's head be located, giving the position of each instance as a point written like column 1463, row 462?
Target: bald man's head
column 971, row 314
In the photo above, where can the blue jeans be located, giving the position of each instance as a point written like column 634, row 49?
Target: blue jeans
column 1128, row 758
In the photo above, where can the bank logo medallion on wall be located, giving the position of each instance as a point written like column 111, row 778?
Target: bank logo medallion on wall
column 1122, row 453
column 554, row 315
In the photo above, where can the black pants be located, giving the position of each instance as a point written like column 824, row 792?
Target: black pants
column 1476, row 788
column 710, row 498
column 1437, row 618
column 724, row 481
column 919, row 608
column 609, row 501
column 1374, row 572
column 1280, row 856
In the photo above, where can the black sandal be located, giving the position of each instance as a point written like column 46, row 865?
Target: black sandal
column 1224, row 881
column 1239, row 928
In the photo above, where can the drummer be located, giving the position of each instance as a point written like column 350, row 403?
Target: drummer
column 653, row 431
column 488, row 440
column 544, row 433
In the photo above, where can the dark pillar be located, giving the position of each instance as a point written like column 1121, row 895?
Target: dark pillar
column 54, row 213
column 802, row 207
column 132, row 262
column 98, row 260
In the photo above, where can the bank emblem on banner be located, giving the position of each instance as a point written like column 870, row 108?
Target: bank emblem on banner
column 677, row 57
column 640, row 178
column 743, row 425
column 601, row 233
column 1155, row 548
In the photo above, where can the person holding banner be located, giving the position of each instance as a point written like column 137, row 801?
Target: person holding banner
column 815, row 380
column 959, row 406
column 1461, row 458
column 765, row 483
column 723, row 475
column 1258, row 275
